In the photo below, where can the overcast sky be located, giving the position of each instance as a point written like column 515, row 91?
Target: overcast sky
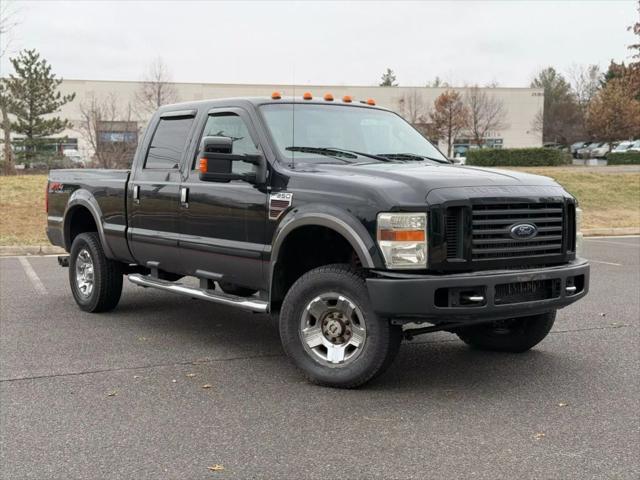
column 324, row 42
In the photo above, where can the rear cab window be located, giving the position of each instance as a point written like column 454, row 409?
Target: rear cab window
column 169, row 143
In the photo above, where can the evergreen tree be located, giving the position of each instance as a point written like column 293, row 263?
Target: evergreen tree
column 33, row 95
column 388, row 79
column 561, row 119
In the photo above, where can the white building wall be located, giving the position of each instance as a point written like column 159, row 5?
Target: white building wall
column 521, row 104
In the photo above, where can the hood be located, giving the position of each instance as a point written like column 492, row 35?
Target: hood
column 410, row 183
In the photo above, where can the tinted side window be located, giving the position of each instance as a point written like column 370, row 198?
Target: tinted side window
column 232, row 126
column 168, row 143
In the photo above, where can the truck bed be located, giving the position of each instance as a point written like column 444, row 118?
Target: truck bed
column 102, row 193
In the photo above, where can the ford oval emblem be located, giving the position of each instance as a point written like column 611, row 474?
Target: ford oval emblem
column 523, row 231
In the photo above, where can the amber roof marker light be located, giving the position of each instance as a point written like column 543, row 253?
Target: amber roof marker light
column 347, row 99
column 371, row 101
column 276, row 96
column 307, row 96
column 328, row 97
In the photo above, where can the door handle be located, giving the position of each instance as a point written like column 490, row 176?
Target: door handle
column 184, row 196
column 136, row 193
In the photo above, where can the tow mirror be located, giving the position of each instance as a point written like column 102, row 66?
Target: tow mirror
column 216, row 160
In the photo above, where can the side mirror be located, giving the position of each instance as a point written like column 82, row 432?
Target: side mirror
column 216, row 157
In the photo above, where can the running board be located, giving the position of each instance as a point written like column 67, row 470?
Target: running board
column 250, row 304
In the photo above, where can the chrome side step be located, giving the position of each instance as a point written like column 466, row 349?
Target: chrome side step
column 250, row 304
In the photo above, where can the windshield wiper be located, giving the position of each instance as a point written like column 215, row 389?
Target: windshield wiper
column 337, row 152
column 411, row 157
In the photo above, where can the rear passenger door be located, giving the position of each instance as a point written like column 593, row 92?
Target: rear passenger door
column 154, row 192
column 222, row 225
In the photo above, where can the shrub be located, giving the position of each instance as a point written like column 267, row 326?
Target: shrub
column 623, row 158
column 518, row 157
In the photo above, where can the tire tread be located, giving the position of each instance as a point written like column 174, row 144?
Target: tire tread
column 107, row 275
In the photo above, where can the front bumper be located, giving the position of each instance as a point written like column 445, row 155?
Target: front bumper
column 437, row 298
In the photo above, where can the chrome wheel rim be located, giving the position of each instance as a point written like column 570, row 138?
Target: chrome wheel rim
column 84, row 273
column 333, row 330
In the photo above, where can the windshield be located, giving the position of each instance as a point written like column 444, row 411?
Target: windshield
column 347, row 134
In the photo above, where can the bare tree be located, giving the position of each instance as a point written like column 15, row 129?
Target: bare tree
column 111, row 133
column 437, row 82
column 585, row 81
column 8, row 22
column 449, row 117
column 156, row 89
column 413, row 108
column 486, row 113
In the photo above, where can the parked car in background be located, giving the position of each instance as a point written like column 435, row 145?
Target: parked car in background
column 635, row 147
column 622, row 146
column 575, row 147
column 74, row 157
column 601, row 151
column 585, row 152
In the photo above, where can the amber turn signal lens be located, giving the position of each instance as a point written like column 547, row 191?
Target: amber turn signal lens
column 402, row 235
column 347, row 99
column 202, row 166
column 371, row 101
column 307, row 96
column 276, row 96
column 328, row 97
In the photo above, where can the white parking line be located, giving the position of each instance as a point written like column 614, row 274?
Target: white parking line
column 606, row 263
column 33, row 276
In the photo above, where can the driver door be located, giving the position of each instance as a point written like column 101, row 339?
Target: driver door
column 222, row 224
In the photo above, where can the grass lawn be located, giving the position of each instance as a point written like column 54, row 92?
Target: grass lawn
column 609, row 198
column 22, row 216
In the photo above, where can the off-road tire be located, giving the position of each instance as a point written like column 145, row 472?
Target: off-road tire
column 515, row 335
column 107, row 275
column 382, row 339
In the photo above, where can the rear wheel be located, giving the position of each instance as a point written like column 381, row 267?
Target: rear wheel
column 329, row 330
column 513, row 335
column 96, row 281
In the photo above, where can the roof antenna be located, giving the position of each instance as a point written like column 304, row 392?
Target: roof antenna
column 293, row 121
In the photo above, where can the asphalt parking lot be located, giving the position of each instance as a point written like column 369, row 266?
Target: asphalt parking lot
column 122, row 395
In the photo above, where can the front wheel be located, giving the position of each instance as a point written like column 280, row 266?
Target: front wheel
column 330, row 332
column 96, row 281
column 514, row 335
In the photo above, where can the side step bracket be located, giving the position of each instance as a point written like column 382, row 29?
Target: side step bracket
column 249, row 304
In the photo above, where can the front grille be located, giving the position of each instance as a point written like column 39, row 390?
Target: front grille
column 453, row 232
column 491, row 238
column 507, row 293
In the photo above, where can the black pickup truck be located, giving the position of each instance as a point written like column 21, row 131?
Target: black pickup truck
column 335, row 216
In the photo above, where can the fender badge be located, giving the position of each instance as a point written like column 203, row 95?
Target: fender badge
column 278, row 203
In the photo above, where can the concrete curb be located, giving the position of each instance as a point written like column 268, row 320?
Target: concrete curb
column 21, row 250
column 18, row 250
column 600, row 232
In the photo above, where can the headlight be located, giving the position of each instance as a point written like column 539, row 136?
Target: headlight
column 578, row 232
column 402, row 237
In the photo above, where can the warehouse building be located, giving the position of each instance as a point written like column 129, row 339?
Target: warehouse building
column 123, row 119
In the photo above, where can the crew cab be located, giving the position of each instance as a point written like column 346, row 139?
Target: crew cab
column 333, row 215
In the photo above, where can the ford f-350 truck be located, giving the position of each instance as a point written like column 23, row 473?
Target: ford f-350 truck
column 335, row 216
